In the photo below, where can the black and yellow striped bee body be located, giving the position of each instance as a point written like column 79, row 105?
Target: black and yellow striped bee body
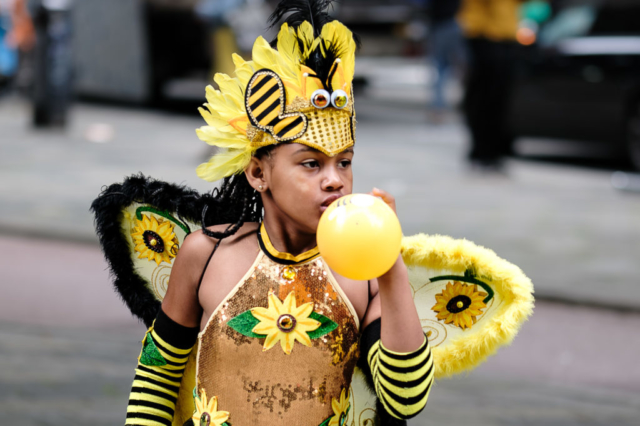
column 265, row 101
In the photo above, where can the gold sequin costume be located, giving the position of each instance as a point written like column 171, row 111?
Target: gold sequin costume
column 268, row 386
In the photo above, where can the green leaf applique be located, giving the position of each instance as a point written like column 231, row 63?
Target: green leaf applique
column 326, row 326
column 150, row 354
column 244, row 324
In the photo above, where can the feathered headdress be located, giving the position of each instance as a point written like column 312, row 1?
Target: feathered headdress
column 300, row 92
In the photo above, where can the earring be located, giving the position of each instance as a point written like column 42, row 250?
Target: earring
column 260, row 188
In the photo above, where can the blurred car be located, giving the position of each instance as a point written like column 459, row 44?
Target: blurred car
column 581, row 80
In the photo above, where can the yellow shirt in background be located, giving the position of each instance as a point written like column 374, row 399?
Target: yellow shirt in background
column 492, row 19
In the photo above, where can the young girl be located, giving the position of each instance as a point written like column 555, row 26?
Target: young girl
column 279, row 334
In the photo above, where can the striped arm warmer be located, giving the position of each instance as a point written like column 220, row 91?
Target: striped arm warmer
column 402, row 381
column 165, row 351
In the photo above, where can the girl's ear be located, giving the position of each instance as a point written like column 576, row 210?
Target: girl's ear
column 255, row 174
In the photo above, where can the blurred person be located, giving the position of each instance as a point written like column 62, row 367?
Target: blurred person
column 53, row 62
column 223, row 40
column 490, row 28
column 447, row 46
column 17, row 36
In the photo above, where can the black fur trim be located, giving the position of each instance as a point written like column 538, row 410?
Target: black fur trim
column 108, row 207
column 369, row 337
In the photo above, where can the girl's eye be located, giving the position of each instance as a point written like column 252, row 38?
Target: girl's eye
column 310, row 164
column 345, row 163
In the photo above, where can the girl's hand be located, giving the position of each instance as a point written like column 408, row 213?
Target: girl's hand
column 386, row 197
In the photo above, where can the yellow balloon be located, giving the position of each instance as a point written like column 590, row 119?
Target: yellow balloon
column 359, row 236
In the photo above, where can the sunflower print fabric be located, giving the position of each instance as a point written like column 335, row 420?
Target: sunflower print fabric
column 459, row 304
column 154, row 239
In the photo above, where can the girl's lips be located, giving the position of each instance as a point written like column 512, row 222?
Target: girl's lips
column 327, row 201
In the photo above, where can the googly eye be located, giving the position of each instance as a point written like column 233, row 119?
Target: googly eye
column 320, row 98
column 339, row 99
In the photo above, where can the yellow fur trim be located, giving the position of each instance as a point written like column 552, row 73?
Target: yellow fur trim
column 509, row 283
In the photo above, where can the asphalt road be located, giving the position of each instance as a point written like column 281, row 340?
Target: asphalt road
column 68, row 348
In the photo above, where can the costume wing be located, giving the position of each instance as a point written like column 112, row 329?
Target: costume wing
column 470, row 303
column 141, row 224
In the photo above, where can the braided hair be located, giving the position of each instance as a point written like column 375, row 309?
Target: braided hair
column 235, row 203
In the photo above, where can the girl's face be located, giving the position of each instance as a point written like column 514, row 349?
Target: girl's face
column 301, row 182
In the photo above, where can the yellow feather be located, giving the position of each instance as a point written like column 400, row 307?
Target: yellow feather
column 243, row 71
column 305, row 33
column 210, row 118
column 223, row 105
column 215, row 137
column 339, row 34
column 266, row 57
column 223, row 164
column 231, row 89
column 288, row 44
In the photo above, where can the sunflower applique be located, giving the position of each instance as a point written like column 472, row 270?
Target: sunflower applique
column 459, row 304
column 284, row 322
column 340, row 407
column 154, row 239
column 206, row 413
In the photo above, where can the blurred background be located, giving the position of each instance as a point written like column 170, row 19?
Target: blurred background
column 514, row 124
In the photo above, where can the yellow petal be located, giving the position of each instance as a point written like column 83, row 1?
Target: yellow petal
column 271, row 340
column 289, row 305
column 264, row 314
column 265, row 328
column 286, row 341
column 275, row 305
column 304, row 310
column 335, row 406
column 301, row 336
column 307, row 324
column 220, row 417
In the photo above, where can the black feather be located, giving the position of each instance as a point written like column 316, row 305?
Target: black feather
column 294, row 13
column 298, row 11
column 108, row 208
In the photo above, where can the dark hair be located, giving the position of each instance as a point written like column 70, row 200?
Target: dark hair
column 241, row 203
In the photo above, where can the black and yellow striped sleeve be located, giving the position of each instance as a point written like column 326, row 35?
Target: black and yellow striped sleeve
column 165, row 351
column 402, row 381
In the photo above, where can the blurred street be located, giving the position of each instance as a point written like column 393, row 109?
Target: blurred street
column 441, row 89
column 68, row 346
